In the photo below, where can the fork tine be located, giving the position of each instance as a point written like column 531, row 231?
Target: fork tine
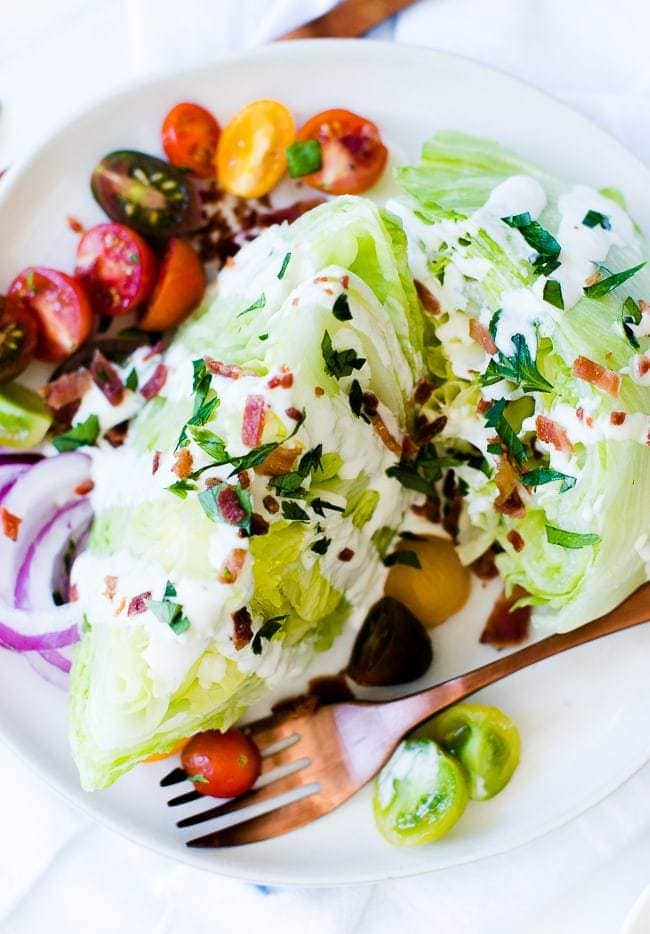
column 173, row 778
column 281, row 819
column 184, row 799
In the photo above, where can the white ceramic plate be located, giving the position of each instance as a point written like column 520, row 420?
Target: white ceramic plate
column 582, row 716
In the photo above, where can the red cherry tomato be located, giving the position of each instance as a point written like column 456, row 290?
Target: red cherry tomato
column 61, row 307
column 117, row 268
column 179, row 289
column 18, row 337
column 353, row 155
column 223, row 765
column 190, row 135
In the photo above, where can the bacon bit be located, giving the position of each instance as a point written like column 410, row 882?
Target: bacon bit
column 640, row 365
column 328, row 291
column 73, row 593
column 593, row 279
column 483, row 406
column 552, row 433
column 516, row 540
column 271, row 504
column 229, row 370
column 138, row 604
column 69, row 387
column 285, row 380
column 10, row 523
column 429, row 302
column 422, row 392
column 154, row 350
column 370, row 403
column 120, row 606
column 509, row 501
column 183, row 464
column 116, row 436
column 155, row 383
column 600, row 376
column 347, row 554
column 84, row 487
column 293, row 413
column 75, row 225
column 617, row 418
column 485, row 567
column 295, row 301
column 452, row 507
column 319, row 391
column 111, row 586
column 482, row 336
column 229, row 506
column 580, row 414
column 259, row 525
column 424, row 430
column 253, row 422
column 409, row 449
column 278, row 462
column 345, row 281
column 291, row 213
column 244, row 479
column 380, row 427
column 232, row 566
column 106, row 377
column 242, row 629
column 506, row 626
column 644, row 306
column 211, row 481
column 320, row 279
column 155, row 464
column 430, row 509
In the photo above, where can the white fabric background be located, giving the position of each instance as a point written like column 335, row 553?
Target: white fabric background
column 60, row 872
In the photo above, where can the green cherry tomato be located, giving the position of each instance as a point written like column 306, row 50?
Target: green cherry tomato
column 484, row 740
column 420, row 794
column 151, row 196
column 24, row 417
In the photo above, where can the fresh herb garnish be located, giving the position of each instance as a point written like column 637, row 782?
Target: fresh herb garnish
column 496, row 419
column 596, row 219
column 203, row 406
column 519, row 368
column 293, row 511
column 630, row 314
column 320, row 505
column 321, row 545
column 341, row 308
column 356, row 398
column 266, row 631
column 311, row 460
column 339, row 363
column 131, row 381
column 84, row 434
column 541, row 475
column 262, row 337
column 570, row 539
column 258, row 303
column 464, row 241
column 227, row 503
column 290, row 484
column 517, row 221
column 409, row 558
column 181, row 488
column 494, row 323
column 553, row 293
column 303, row 157
column 547, row 247
column 211, row 444
column 169, row 612
column 609, row 283
column 438, row 265
column 283, row 267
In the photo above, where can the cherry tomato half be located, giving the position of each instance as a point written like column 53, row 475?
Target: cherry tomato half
column 352, row 153
column 18, row 337
column 61, row 307
column 189, row 136
column 223, row 765
column 117, row 268
column 251, row 156
column 179, row 289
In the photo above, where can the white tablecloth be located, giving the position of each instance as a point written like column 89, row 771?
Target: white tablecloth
column 59, row 872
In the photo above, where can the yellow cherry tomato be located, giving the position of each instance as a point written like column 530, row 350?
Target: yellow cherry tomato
column 438, row 588
column 251, row 158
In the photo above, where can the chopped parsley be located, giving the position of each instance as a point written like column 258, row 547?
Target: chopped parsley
column 257, row 304
column 266, row 631
column 496, row 419
column 204, row 404
column 321, row 545
column 596, row 219
column 553, row 293
column 543, row 242
column 409, row 558
column 290, row 484
column 570, row 539
column 132, row 380
column 341, row 308
column 541, row 475
column 421, row 473
column 181, row 488
column 294, row 512
column 611, row 282
column 303, row 157
column 494, row 323
column 519, row 368
column 339, row 363
column 630, row 314
column 169, row 612
column 320, row 505
column 227, row 503
column 356, row 398
column 215, row 446
column 283, row 267
column 211, row 444
column 84, row 434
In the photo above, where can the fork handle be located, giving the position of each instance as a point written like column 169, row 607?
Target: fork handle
column 408, row 712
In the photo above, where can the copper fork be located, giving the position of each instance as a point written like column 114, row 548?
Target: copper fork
column 314, row 762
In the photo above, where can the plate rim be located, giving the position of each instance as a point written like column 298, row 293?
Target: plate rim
column 363, row 48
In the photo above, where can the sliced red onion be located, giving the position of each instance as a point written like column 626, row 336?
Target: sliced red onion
column 8, row 459
column 48, row 638
column 8, row 476
column 51, row 665
column 35, row 497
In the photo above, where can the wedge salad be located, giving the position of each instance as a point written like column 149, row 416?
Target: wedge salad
column 266, row 422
